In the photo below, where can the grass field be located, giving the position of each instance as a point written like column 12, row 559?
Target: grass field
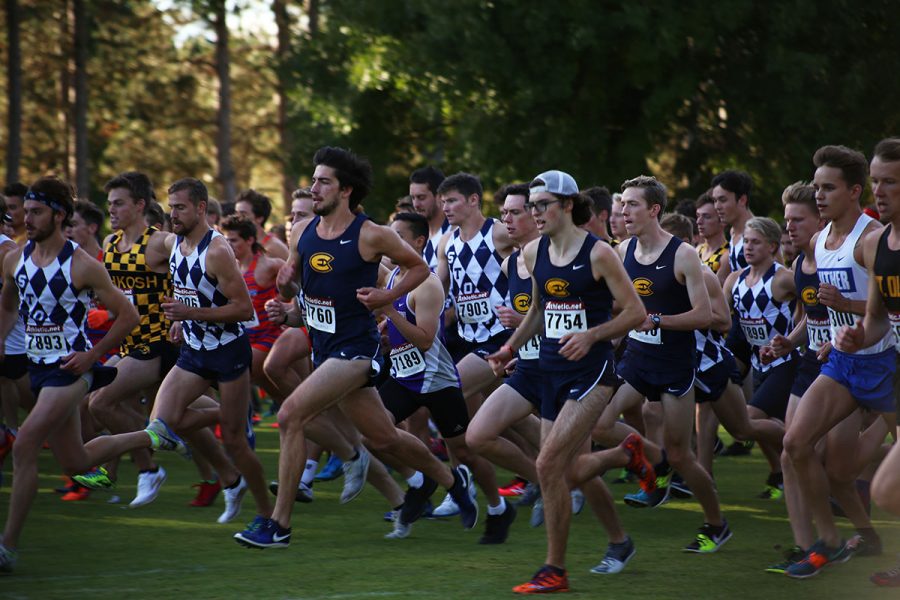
column 169, row 550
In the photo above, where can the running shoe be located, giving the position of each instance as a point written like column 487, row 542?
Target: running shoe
column 625, row 476
column 577, row 501
column 774, row 489
column 890, row 578
column 818, row 556
column 6, row 443
column 331, row 470
column 532, row 493
column 865, row 545
column 304, row 492
column 76, row 494
column 233, row 497
column 95, row 479
column 264, row 533
column 148, row 487
column 206, row 493
column 447, row 508
column 67, row 487
column 653, row 499
column 401, row 530
column 537, row 513
column 791, row 556
column 514, row 488
column 709, row 538
column 163, row 438
column 7, row 559
column 638, row 464
column 355, row 472
column 738, row 449
column 679, row 489
column 463, row 493
column 496, row 528
column 617, row 556
column 546, row 581
column 416, row 500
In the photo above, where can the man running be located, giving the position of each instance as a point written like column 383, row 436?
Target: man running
column 258, row 208
column 49, row 283
column 575, row 279
column 335, row 261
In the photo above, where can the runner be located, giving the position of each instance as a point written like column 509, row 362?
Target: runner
column 575, row 277
column 257, row 207
column 333, row 256
column 210, row 302
column 713, row 251
column 847, row 381
column 49, row 282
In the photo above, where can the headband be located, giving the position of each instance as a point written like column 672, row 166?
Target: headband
column 47, row 200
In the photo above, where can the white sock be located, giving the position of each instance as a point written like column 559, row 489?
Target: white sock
column 309, row 472
column 416, row 480
column 499, row 509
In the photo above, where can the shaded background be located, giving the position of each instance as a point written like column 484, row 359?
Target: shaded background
column 240, row 93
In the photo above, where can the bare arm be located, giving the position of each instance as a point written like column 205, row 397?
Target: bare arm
column 376, row 241
column 9, row 298
column 288, row 280
column 724, row 267
column 606, row 264
column 427, row 300
column 530, row 326
column 509, row 317
column 721, row 317
column 875, row 325
column 443, row 266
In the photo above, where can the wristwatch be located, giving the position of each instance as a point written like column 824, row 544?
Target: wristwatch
column 656, row 320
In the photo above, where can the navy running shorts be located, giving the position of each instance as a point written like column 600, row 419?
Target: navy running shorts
column 223, row 364
column 52, row 376
column 14, row 366
column 560, row 388
column 528, row 384
column 772, row 388
column 652, row 380
column 808, row 369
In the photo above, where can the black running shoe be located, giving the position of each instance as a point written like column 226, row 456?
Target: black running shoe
column 416, row 501
column 496, row 528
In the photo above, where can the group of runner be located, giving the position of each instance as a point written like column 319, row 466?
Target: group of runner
column 580, row 333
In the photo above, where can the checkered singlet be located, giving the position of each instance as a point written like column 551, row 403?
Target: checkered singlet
column 15, row 341
column 761, row 316
column 145, row 288
column 477, row 284
column 54, row 310
column 194, row 286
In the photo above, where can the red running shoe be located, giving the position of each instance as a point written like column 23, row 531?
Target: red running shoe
column 76, row 493
column 6, row 443
column 514, row 488
column 545, row 581
column 889, row 578
column 206, row 493
column 633, row 444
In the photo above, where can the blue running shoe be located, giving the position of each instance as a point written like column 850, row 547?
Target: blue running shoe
column 659, row 496
column 264, row 533
column 461, row 492
column 331, row 470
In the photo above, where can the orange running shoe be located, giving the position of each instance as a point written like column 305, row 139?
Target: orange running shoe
column 633, row 444
column 545, row 581
column 77, row 493
column 206, row 493
column 514, row 488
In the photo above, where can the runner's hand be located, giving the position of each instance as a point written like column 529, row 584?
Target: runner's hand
column 850, row 339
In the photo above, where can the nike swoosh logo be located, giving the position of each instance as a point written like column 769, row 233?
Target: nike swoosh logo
column 840, row 258
column 279, row 538
column 658, row 267
column 576, row 267
column 345, row 242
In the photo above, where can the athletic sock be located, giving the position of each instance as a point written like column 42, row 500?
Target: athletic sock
column 309, row 473
column 499, row 509
column 416, row 480
column 556, row 570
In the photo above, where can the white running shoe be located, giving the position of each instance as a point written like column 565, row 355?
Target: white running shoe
column 400, row 531
column 233, row 498
column 447, row 508
column 148, row 487
column 355, row 472
column 577, row 501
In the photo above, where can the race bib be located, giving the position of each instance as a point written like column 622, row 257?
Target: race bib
column 129, row 294
column 654, row 336
column 561, row 318
column 45, row 340
column 187, row 296
column 474, row 308
column 406, row 361
column 895, row 326
column 819, row 333
column 320, row 313
column 756, row 331
column 531, row 350
column 840, row 319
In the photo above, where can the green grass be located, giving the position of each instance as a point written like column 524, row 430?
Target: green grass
column 169, row 550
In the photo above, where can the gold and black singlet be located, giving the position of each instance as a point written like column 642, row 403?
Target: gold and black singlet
column 143, row 287
column 714, row 260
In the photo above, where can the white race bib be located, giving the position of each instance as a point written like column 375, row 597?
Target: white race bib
column 406, row 361
column 187, row 296
column 45, row 341
column 320, row 313
column 562, row 317
column 474, row 308
column 654, row 336
column 895, row 325
column 129, row 294
column 840, row 319
column 531, row 350
column 819, row 333
column 756, row 331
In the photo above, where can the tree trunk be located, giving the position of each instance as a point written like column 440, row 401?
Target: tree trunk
column 288, row 178
column 14, row 92
column 312, row 12
column 226, row 176
column 82, row 160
